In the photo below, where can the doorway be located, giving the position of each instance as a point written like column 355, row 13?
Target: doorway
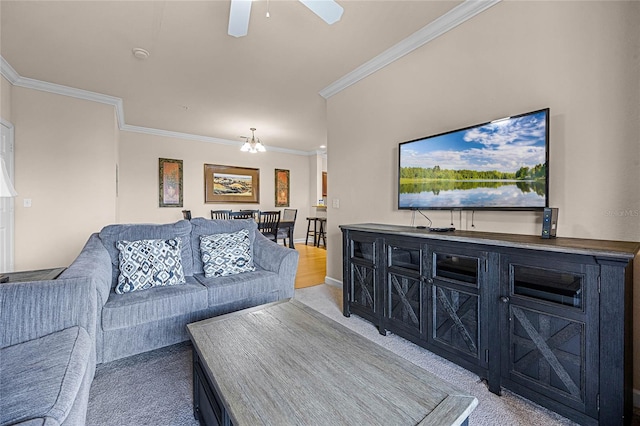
column 6, row 203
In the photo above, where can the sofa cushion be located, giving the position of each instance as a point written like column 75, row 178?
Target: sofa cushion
column 202, row 226
column 226, row 254
column 222, row 290
column 41, row 378
column 149, row 263
column 111, row 234
column 129, row 310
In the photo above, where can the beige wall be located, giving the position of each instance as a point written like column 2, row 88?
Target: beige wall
column 65, row 158
column 67, row 152
column 578, row 58
column 138, row 195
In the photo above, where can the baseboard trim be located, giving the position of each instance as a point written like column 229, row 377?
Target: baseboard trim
column 332, row 282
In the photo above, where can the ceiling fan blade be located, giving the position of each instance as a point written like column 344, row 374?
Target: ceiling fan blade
column 239, row 18
column 328, row 10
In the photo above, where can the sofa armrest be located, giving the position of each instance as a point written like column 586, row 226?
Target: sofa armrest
column 276, row 258
column 29, row 310
column 94, row 262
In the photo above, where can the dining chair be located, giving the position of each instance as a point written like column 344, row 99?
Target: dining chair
column 254, row 213
column 288, row 217
column 186, row 214
column 220, row 214
column 241, row 215
column 268, row 224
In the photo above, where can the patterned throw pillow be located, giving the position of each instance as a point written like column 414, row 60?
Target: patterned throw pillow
column 226, row 254
column 149, row 263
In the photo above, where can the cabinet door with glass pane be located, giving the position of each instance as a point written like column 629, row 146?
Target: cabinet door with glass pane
column 457, row 278
column 362, row 293
column 549, row 323
column 405, row 296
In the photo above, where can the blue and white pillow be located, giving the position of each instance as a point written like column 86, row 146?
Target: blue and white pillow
column 149, row 263
column 226, row 254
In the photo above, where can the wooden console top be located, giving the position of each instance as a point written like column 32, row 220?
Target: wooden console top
column 598, row 248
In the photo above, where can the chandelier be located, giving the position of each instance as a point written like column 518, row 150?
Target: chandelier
column 252, row 144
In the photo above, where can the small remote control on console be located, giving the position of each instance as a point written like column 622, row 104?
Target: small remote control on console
column 441, row 229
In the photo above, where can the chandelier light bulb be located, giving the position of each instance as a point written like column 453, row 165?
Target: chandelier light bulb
column 251, row 144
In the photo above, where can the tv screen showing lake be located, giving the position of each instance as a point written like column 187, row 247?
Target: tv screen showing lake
column 502, row 164
column 464, row 194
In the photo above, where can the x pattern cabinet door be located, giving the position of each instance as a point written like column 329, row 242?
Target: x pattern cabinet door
column 456, row 319
column 363, row 281
column 549, row 351
column 405, row 302
column 456, row 303
column 548, row 328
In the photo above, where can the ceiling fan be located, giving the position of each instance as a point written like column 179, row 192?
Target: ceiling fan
column 328, row 10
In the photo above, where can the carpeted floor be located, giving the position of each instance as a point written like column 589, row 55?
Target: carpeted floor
column 155, row 388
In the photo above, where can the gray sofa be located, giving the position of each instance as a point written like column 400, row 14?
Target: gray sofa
column 47, row 351
column 86, row 322
column 131, row 323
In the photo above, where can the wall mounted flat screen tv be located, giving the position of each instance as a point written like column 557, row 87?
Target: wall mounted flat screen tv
column 499, row 165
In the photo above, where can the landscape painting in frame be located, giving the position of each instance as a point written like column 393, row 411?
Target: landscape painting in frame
column 231, row 184
column 170, row 182
column 282, row 188
column 497, row 165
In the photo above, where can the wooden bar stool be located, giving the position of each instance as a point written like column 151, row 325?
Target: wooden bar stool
column 313, row 233
column 321, row 232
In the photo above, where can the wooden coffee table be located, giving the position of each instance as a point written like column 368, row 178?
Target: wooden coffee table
column 286, row 364
column 38, row 275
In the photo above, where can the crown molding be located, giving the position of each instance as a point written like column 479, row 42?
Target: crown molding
column 441, row 25
column 433, row 30
column 178, row 135
column 6, row 124
column 15, row 79
column 208, row 139
column 8, row 72
column 29, row 83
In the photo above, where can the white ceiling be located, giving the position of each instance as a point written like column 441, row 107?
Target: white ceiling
column 199, row 80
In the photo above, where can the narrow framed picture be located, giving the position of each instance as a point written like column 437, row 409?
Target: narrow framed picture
column 282, row 188
column 170, row 182
column 231, row 184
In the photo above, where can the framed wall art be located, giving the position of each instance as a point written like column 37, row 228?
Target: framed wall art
column 231, row 184
column 282, row 188
column 170, row 183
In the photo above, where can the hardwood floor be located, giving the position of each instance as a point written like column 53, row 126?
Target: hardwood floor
column 312, row 266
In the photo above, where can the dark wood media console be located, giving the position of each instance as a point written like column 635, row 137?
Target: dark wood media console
column 549, row 319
